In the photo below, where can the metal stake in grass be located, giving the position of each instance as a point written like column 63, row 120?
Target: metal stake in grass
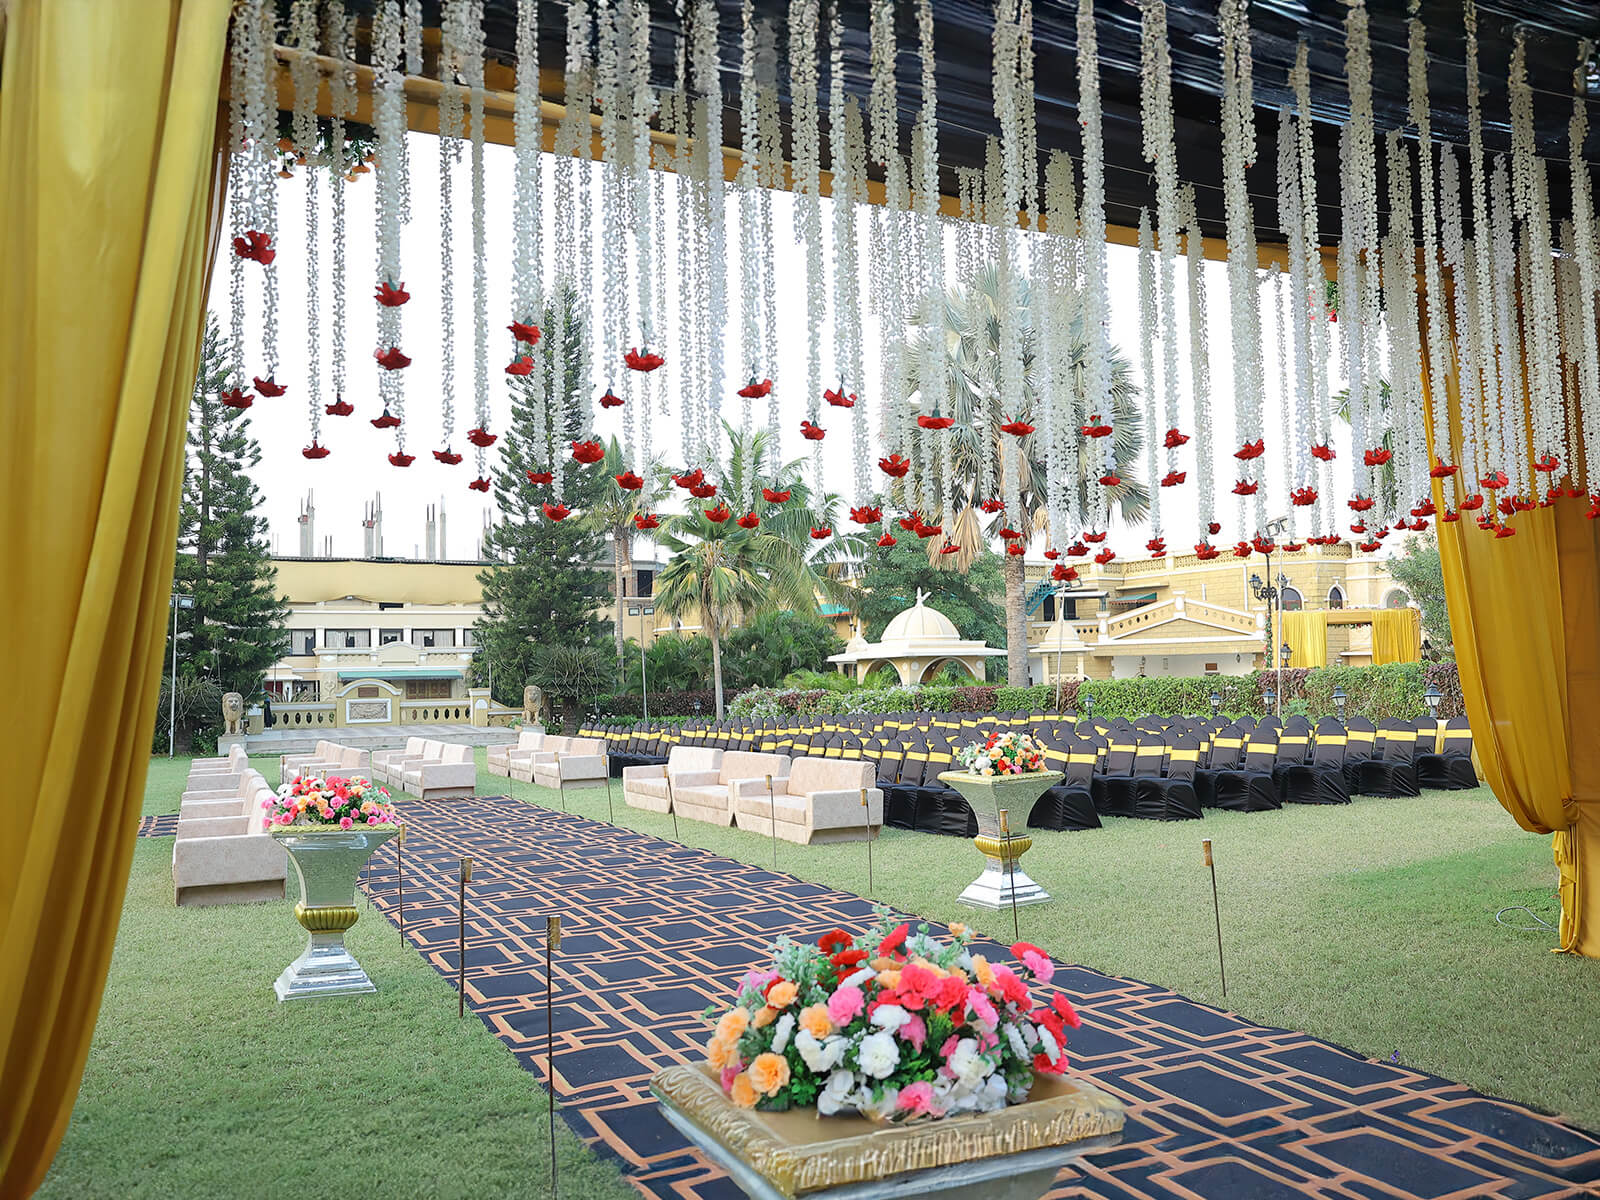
column 672, row 806
column 772, row 800
column 1011, row 870
column 461, row 936
column 1205, row 845
column 552, row 943
column 611, row 812
column 400, row 867
column 868, row 807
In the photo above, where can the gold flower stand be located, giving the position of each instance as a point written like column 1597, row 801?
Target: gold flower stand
column 1003, row 884
column 1013, row 1154
column 328, row 861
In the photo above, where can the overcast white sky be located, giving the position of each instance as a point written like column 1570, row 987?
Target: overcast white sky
column 358, row 466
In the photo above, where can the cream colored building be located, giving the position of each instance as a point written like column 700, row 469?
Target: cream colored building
column 917, row 644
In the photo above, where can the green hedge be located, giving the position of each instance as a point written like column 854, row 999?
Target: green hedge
column 1378, row 693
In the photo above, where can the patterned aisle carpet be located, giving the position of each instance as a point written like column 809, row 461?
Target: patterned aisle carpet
column 1218, row 1109
column 160, row 825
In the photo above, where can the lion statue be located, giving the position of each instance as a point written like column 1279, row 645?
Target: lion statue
column 232, row 713
column 535, row 708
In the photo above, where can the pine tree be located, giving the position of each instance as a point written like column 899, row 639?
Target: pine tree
column 238, row 626
column 542, row 587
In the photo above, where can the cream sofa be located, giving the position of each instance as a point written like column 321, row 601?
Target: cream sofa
column 550, row 749
column 819, row 802
column 223, row 854
column 331, row 759
column 580, row 760
column 218, row 775
column 290, row 765
column 528, row 743
column 449, row 773
column 710, row 795
column 389, row 766
column 650, row 787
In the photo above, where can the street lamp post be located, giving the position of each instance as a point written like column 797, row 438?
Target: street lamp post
column 1216, row 703
column 1061, row 590
column 644, row 682
column 1272, row 593
column 1339, row 701
column 178, row 601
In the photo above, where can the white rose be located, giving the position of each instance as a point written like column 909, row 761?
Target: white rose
column 879, row 1055
column 781, row 1033
column 890, row 1017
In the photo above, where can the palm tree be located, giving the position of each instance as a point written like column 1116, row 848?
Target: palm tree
column 970, row 332
column 613, row 516
column 721, row 570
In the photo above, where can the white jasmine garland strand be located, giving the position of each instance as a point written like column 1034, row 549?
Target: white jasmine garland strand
column 303, row 73
column 388, row 106
column 1584, row 248
column 1027, row 115
column 1439, row 358
column 240, row 186
column 1311, row 307
column 1238, row 150
column 1506, row 408
column 1012, row 383
column 1097, row 348
column 803, row 92
column 1301, row 466
column 1359, row 276
column 527, row 213
column 709, row 141
column 1532, row 200
column 1458, row 256
column 262, row 116
column 1284, row 397
column 770, row 168
column 413, row 37
column 1405, row 350
column 1200, row 369
column 473, row 51
column 341, row 39
column 881, row 106
column 750, row 263
column 1160, row 150
column 452, row 130
column 1147, row 362
column 1482, row 248
column 1058, row 300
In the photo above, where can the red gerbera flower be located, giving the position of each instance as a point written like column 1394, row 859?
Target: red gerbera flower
column 1077, row 550
column 1377, row 458
column 1263, row 545
column 895, row 466
column 1156, row 546
column 887, row 540
column 992, row 505
column 387, row 421
column 314, row 450
column 236, row 398
column 935, row 421
column 610, row 400
column 628, row 481
column 1096, row 428
column 1361, row 504
column 447, row 456
column 1359, row 527
column 838, row 398
column 754, row 390
column 541, row 476
column 1205, row 551
column 866, row 514
column 812, row 433
column 1016, row 549
column 1105, row 556
column 1251, row 450
column 719, row 514
column 911, row 520
column 339, row 408
column 1442, row 470
column 1095, row 537
column 690, row 479
column 1369, row 547
column 482, row 437
column 703, row 491
column 772, row 497
column 646, row 521
column 1175, row 439
column 1245, row 488
column 1472, row 503
column 1505, row 531
column 1052, row 554
column 525, row 331
column 1418, row 525
column 392, row 297
column 557, row 511
column 269, row 387
column 1008, row 533
column 1242, row 550
column 1111, row 479
column 255, row 245
column 1493, row 480
column 820, row 533
column 587, row 452
column 402, row 459
column 748, row 521
column 1173, row 478
column 391, row 359
column 1017, row 428
column 1325, row 453
column 1214, row 528
column 1061, row 572
column 1304, row 497
column 479, row 484
column 642, row 362
column 1449, row 516
column 520, row 366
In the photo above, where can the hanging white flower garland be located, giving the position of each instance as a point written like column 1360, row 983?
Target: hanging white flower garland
column 1148, row 338
column 389, row 121
column 1585, row 250
column 341, row 37
column 1439, row 357
column 305, row 76
column 1311, row 308
column 1161, row 152
column 1200, row 370
column 1092, row 224
column 1238, row 151
column 1486, row 352
column 452, row 131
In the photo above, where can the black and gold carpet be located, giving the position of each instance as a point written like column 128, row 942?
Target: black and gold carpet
column 654, row 932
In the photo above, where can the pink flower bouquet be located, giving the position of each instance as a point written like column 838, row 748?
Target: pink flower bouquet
column 343, row 802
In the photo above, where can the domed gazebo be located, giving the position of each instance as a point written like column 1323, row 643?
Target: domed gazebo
column 916, row 643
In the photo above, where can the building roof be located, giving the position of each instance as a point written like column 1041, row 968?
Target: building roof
column 920, row 621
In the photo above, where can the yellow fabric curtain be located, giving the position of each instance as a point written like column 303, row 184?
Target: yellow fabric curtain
column 108, row 197
column 1525, row 618
column 1396, row 635
column 1307, row 635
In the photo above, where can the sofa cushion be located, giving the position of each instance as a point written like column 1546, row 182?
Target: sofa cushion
column 808, row 775
column 746, row 764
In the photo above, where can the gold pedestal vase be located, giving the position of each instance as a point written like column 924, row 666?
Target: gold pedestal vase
column 327, row 861
column 1003, row 883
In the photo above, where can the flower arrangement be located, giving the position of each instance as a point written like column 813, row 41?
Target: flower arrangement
column 334, row 800
column 1006, row 753
column 895, row 1024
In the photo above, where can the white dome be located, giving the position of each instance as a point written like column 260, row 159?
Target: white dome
column 920, row 622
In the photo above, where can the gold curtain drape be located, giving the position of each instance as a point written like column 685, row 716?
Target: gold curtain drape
column 1307, row 635
column 1396, row 635
column 108, row 211
column 1525, row 619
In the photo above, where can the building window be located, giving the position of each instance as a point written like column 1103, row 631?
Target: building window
column 1211, row 668
column 348, row 639
column 389, row 636
column 1048, row 613
column 1290, row 601
column 1335, row 597
column 433, row 638
column 302, row 641
column 466, row 638
column 370, row 692
column 1396, row 599
column 646, row 583
column 384, row 605
column 633, row 612
column 427, row 689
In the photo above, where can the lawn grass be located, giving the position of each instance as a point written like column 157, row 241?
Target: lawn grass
column 200, row 1084
column 1370, row 924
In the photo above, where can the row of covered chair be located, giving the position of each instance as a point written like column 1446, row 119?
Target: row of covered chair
column 428, row 769
column 329, row 758
column 222, row 854
column 550, row 760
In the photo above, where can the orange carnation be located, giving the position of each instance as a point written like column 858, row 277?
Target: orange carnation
column 783, row 994
column 733, row 1024
column 888, row 979
column 765, row 1016
column 815, row 1021
column 743, row 1093
column 768, row 1073
column 720, row 1052
column 982, row 969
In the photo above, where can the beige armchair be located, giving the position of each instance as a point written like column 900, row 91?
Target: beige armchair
column 550, row 748
column 581, row 760
column 650, row 787
column 394, row 763
column 500, row 758
column 709, row 795
column 452, row 776
column 222, row 853
column 819, row 802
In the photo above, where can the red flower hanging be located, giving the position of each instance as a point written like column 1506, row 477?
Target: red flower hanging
column 1472, row 503
column 1205, row 551
column 1062, row 573
column 812, row 433
column 1263, row 545
column 1377, row 458
column 391, row 359
column 1493, row 480
column 1245, row 488
column 1521, row 504
column 1359, row 527
column 1369, row 547
column 541, row 476
column 703, row 491
column 479, row 484
column 610, row 400
column 867, row 514
column 774, row 497
column 587, row 452
column 236, row 398
column 482, row 437
column 1016, row 549
column 935, row 421
column 314, row 450
column 1214, row 528
column 690, row 479
column 387, row 421
column 1095, row 537
column 1505, row 531
column 1008, row 533
column 1304, row 497
column 1242, row 550
column 887, row 540
column 949, row 548
column 822, row 532
column 402, row 459
column 646, row 521
column 447, row 456
column 1325, row 453
column 895, row 466
column 1017, row 428
column 1111, row 479
column 926, row 531
column 628, row 481
column 255, row 245
column 1175, row 439
column 642, row 362
column 520, row 366
column 1251, row 450
column 1442, row 471
column 525, row 331
column 1105, row 556
column 269, row 387
column 1096, row 428
column 1449, row 516
column 754, row 390
column 1173, row 478
column 339, row 408
column 838, row 399
column 1052, row 554
column 557, row 511
column 1157, row 546
column 1361, row 504
column 719, row 514
column 1077, row 550
column 1418, row 525
column 748, row 521
column 993, row 505
column 392, row 297
column 911, row 520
